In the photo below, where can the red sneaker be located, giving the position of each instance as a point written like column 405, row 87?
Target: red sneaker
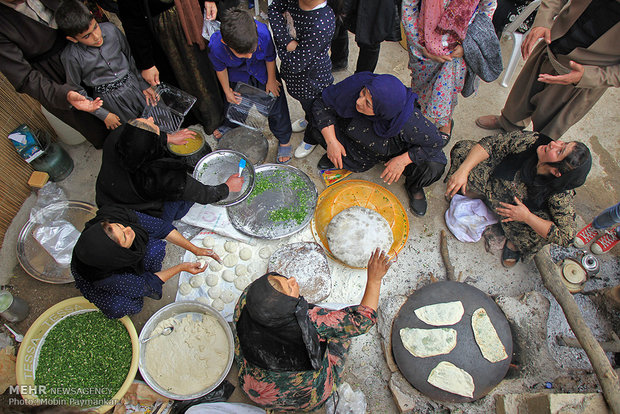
column 606, row 242
column 585, row 236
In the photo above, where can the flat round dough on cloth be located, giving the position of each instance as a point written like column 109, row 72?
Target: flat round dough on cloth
column 245, row 253
column 215, row 266
column 185, row 288
column 228, row 275
column 196, row 281
column 212, row 279
column 231, row 260
column 354, row 233
column 208, row 242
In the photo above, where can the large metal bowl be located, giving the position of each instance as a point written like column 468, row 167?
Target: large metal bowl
column 216, row 167
column 179, row 310
column 35, row 260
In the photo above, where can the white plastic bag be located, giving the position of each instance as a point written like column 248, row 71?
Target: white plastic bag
column 467, row 218
column 224, row 408
column 58, row 238
column 209, row 27
column 347, row 401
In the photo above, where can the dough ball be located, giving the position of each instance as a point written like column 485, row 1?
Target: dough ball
column 255, row 276
column 255, row 268
column 196, row 281
column 215, row 266
column 218, row 304
column 228, row 275
column 231, row 260
column 203, row 300
column 185, row 288
column 215, row 292
column 265, row 252
column 212, row 279
column 242, row 282
column 227, row 296
column 202, row 261
column 219, row 250
column 241, row 270
column 245, row 253
column 231, row 246
column 208, row 242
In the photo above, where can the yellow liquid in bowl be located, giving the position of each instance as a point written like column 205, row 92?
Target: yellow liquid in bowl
column 192, row 145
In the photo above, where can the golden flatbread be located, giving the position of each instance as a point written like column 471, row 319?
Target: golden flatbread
column 486, row 337
column 450, row 378
column 440, row 314
column 423, row 343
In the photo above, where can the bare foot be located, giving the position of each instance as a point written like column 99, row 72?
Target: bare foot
column 447, row 129
column 217, row 134
column 283, row 159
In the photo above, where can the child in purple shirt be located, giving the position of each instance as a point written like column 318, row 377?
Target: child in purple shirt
column 243, row 51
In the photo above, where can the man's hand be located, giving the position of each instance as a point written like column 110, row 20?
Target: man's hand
column 151, row 96
column 180, row 137
column 292, row 46
column 151, row 75
column 273, row 86
column 514, row 212
column 335, row 152
column 532, row 37
column 210, row 10
column 235, row 183
column 571, row 78
column 436, row 58
column 232, row 96
column 394, row 168
column 82, row 103
column 112, row 121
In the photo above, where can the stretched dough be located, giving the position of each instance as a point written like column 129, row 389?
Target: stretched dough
column 228, row 275
column 439, row 314
column 212, row 279
column 423, row 343
column 196, row 281
column 231, row 260
column 185, row 288
column 231, row 246
column 215, row 266
column 241, row 270
column 227, row 296
column 208, row 242
column 486, row 337
column 215, row 292
column 245, row 253
column 449, row 377
column 265, row 252
column 218, row 304
column 242, row 282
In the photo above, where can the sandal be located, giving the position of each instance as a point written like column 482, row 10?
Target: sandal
column 445, row 136
column 284, row 152
column 222, row 129
column 508, row 255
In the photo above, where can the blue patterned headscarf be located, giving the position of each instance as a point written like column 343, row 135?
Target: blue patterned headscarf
column 392, row 102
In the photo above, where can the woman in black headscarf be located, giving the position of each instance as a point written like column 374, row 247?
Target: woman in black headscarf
column 118, row 258
column 291, row 353
column 138, row 172
column 529, row 180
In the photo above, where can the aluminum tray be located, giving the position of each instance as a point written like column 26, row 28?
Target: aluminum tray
column 252, row 144
column 216, row 167
column 252, row 216
column 33, row 258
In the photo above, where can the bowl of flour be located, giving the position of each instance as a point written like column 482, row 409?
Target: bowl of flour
column 194, row 358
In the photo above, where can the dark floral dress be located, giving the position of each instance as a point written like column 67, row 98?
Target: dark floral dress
column 305, row 390
column 559, row 208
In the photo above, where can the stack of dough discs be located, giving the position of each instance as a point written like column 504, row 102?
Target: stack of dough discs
column 354, row 233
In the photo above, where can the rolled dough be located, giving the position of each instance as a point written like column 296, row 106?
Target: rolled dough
column 228, row 275
column 208, row 242
column 423, row 343
column 227, row 296
column 215, row 292
column 231, row 260
column 241, row 270
column 486, row 337
column 231, row 246
column 245, row 253
column 212, row 279
column 440, row 314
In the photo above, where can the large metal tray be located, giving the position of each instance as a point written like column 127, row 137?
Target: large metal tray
column 252, row 216
column 252, row 144
column 216, row 167
column 33, row 258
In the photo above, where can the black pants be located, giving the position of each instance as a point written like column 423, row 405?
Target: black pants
column 418, row 176
column 367, row 59
column 311, row 135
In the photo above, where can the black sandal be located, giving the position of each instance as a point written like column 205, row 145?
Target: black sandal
column 445, row 136
column 509, row 254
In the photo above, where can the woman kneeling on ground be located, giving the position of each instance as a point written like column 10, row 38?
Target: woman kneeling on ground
column 529, row 180
column 290, row 353
column 117, row 260
column 368, row 119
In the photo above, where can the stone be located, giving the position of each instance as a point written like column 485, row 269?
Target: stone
column 567, row 404
column 388, row 309
column 408, row 399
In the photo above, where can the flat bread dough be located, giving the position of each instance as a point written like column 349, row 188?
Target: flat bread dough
column 423, row 343
column 354, row 233
column 231, row 260
column 212, row 279
column 227, row 296
column 450, row 378
column 219, row 250
column 231, row 246
column 196, row 281
column 441, row 314
column 208, row 242
column 185, row 288
column 488, row 341
column 245, row 253
column 203, row 300
column 264, row 252
column 242, row 282
column 228, row 275
column 215, row 266
column 215, row 292
column 241, row 270
column 218, row 304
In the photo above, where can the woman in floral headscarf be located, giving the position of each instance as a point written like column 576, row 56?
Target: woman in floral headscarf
column 291, row 353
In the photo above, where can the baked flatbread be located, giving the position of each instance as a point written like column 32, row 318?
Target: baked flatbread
column 354, row 233
column 486, row 336
column 440, row 314
column 449, row 377
column 423, row 343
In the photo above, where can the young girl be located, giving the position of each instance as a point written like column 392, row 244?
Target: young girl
column 99, row 58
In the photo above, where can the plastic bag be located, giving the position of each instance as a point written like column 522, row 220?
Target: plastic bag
column 254, row 108
column 224, row 408
column 467, row 218
column 209, row 27
column 50, row 193
column 220, row 394
column 58, row 238
column 346, row 401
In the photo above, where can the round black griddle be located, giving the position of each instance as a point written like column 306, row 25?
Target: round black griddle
column 249, row 142
column 466, row 355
